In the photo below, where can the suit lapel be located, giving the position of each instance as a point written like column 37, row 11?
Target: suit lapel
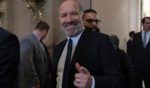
column 141, row 41
column 82, row 45
column 77, row 53
column 58, row 51
column 148, row 44
column 39, row 46
column 139, row 38
column 80, row 48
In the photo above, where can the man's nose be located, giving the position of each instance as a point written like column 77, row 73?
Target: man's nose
column 94, row 23
column 69, row 18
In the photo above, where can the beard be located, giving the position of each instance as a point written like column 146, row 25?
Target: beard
column 72, row 28
column 97, row 29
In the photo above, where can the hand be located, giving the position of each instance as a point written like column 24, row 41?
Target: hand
column 36, row 86
column 83, row 78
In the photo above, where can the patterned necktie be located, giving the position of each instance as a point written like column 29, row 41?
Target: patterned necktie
column 66, row 71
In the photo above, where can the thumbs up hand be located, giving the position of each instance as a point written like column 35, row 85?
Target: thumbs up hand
column 83, row 79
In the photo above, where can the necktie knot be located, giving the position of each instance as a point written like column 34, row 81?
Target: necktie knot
column 70, row 42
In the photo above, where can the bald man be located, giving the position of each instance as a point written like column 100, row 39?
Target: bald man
column 92, row 62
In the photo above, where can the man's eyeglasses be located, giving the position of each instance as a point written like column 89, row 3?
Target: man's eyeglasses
column 93, row 20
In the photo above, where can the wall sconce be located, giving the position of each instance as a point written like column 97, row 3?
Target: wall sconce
column 37, row 7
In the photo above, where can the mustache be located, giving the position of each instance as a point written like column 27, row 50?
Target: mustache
column 70, row 23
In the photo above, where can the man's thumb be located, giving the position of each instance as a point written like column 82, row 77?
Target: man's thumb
column 81, row 69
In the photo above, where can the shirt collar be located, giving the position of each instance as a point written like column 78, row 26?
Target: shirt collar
column 148, row 33
column 75, row 39
column 36, row 35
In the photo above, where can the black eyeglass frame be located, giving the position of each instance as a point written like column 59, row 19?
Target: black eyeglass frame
column 93, row 20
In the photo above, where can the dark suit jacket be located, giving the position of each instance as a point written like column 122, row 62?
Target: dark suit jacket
column 141, row 58
column 95, row 52
column 130, row 48
column 126, row 69
column 9, row 58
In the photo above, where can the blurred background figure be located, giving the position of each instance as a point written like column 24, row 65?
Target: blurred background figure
column 90, row 20
column 130, row 44
column 141, row 53
column 35, row 59
column 9, row 59
column 125, row 64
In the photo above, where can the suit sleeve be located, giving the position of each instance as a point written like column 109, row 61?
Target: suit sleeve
column 111, row 77
column 28, row 75
column 9, row 61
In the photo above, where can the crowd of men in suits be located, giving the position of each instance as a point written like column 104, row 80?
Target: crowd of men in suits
column 87, row 58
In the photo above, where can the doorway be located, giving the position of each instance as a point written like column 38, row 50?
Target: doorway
column 145, row 8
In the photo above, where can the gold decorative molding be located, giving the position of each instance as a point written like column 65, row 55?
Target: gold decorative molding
column 37, row 7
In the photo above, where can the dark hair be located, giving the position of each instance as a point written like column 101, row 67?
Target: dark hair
column 131, row 33
column 89, row 11
column 42, row 25
column 143, row 20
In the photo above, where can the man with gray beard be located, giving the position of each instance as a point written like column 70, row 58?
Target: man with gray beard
column 85, row 59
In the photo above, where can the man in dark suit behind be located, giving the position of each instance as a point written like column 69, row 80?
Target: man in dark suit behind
column 91, row 20
column 93, row 63
column 130, row 44
column 141, row 58
column 9, row 58
column 125, row 64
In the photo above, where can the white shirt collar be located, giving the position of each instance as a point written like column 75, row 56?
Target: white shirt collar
column 75, row 39
column 147, row 36
column 148, row 33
